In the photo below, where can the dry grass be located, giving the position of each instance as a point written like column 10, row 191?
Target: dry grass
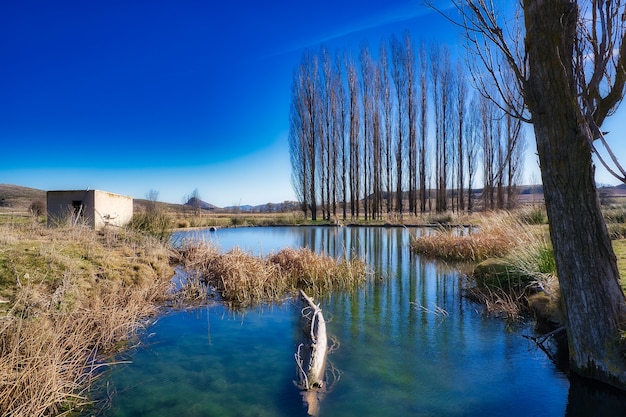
column 76, row 296
column 495, row 236
column 242, row 279
column 514, row 261
column 318, row 274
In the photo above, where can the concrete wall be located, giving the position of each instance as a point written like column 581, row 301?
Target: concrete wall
column 93, row 208
column 112, row 209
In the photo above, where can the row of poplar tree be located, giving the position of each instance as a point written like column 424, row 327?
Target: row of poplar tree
column 402, row 131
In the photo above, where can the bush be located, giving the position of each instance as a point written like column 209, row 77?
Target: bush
column 37, row 208
column 154, row 222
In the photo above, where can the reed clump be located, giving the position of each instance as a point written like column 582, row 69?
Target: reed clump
column 495, row 236
column 243, row 279
column 318, row 274
column 75, row 297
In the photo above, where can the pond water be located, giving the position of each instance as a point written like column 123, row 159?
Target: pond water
column 405, row 344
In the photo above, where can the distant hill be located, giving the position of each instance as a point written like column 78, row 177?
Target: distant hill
column 197, row 203
column 284, row 207
column 17, row 198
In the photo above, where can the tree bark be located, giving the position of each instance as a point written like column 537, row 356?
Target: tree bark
column 592, row 298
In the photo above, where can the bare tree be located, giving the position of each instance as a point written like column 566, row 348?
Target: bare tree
column 340, row 126
column 410, row 74
column 398, row 71
column 516, row 147
column 489, row 131
column 571, row 73
column 423, row 61
column 387, row 124
column 325, row 132
column 353, row 137
column 461, row 88
column 367, row 101
column 304, row 132
column 297, row 143
column 153, row 197
column 472, row 135
column 377, row 145
column 442, row 99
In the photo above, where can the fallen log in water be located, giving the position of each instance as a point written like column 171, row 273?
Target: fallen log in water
column 311, row 354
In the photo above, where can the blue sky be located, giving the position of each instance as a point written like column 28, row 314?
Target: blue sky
column 129, row 96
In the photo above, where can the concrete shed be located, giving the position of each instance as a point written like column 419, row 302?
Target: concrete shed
column 94, row 208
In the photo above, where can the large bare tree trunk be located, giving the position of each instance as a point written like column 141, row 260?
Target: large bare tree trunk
column 592, row 297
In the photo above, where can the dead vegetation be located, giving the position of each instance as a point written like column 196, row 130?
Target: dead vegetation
column 72, row 297
column 242, row 279
column 493, row 236
column 514, row 273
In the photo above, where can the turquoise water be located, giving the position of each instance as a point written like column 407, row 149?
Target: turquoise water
column 406, row 344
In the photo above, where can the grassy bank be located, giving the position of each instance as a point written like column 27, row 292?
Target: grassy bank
column 514, row 272
column 512, row 258
column 70, row 298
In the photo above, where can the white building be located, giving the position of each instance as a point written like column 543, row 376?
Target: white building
column 94, row 208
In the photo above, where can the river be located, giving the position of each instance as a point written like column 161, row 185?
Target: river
column 405, row 344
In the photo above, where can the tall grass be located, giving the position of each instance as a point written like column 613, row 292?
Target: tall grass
column 77, row 297
column 242, row 279
column 514, row 260
column 494, row 237
column 523, row 282
column 155, row 221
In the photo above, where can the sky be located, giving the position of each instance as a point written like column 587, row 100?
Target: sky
column 132, row 96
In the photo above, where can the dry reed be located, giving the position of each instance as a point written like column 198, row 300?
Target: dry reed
column 242, row 279
column 78, row 297
column 496, row 236
column 514, row 261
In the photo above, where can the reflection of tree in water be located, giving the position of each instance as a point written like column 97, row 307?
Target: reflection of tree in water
column 589, row 398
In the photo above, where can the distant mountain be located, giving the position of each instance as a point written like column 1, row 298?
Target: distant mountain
column 197, row 203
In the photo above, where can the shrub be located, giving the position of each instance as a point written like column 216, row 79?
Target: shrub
column 37, row 208
column 155, row 222
column 615, row 215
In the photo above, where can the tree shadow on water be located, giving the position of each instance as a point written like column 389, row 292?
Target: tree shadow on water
column 588, row 398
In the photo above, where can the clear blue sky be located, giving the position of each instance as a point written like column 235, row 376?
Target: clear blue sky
column 129, row 96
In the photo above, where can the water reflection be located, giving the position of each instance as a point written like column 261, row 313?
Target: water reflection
column 410, row 344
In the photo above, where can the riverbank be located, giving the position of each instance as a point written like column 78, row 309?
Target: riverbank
column 71, row 297
column 512, row 269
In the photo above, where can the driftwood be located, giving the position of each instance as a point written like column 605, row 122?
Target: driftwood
column 311, row 354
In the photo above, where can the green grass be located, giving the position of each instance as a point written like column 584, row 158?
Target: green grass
column 619, row 246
